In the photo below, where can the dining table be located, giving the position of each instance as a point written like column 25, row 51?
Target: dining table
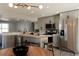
column 32, row 51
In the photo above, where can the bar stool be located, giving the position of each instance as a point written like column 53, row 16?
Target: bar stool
column 49, row 45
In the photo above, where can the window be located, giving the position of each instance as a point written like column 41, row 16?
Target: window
column 4, row 27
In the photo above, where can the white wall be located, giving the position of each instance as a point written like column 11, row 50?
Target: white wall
column 13, row 26
column 25, row 26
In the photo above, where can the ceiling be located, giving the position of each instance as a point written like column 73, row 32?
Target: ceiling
column 8, row 13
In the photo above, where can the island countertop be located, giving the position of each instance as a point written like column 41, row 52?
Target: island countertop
column 8, row 38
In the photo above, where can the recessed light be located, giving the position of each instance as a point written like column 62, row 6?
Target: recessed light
column 15, row 6
column 57, row 11
column 29, row 7
column 10, row 4
column 47, row 6
column 41, row 6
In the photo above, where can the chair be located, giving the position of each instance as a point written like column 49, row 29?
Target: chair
column 19, row 41
column 31, row 41
column 49, row 44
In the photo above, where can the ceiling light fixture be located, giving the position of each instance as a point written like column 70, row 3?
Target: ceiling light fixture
column 47, row 7
column 10, row 4
column 57, row 11
column 15, row 6
column 40, row 6
column 29, row 6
